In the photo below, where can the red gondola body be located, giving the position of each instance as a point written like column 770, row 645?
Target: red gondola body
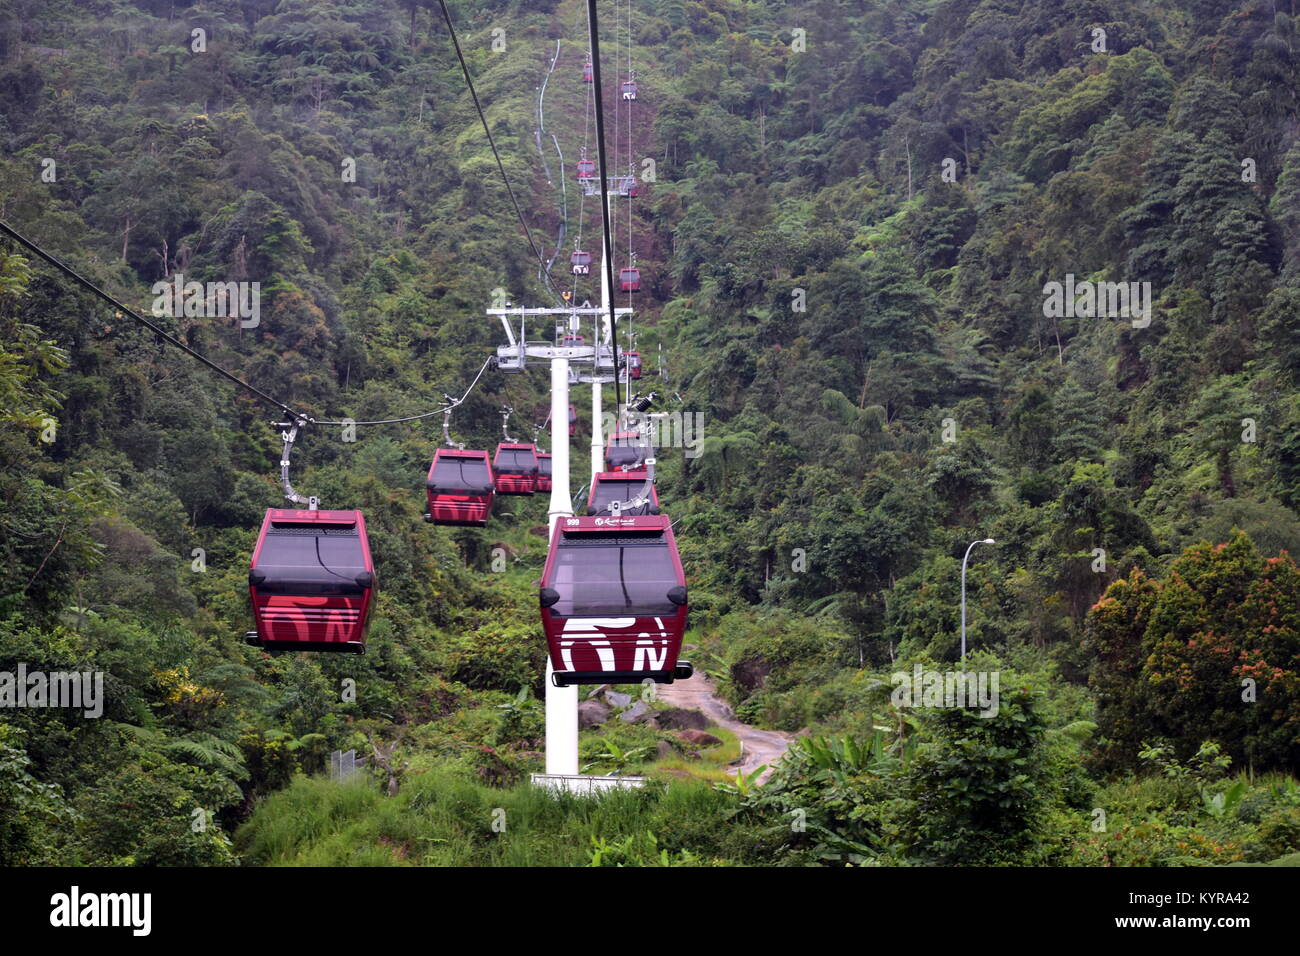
column 460, row 487
column 543, row 471
column 515, row 467
column 573, row 421
column 587, row 73
column 311, row 581
column 609, row 486
column 614, row 602
column 624, row 451
column 586, row 169
column 634, row 364
column 629, row 280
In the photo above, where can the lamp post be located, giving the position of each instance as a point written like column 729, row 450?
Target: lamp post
column 963, row 592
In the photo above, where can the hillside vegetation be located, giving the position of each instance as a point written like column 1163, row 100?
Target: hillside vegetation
column 864, row 336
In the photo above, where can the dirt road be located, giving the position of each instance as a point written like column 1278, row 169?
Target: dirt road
column 760, row 746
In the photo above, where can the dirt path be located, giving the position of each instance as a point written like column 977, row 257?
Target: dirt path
column 759, row 746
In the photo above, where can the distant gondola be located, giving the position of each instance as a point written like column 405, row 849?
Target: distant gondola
column 515, row 468
column 460, row 487
column 624, row 451
column 611, row 486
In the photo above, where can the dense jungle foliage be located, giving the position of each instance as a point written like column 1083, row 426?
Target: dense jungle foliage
column 864, row 337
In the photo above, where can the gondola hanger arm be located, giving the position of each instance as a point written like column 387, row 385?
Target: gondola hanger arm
column 289, row 432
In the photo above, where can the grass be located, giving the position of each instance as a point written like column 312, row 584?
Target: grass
column 442, row 818
column 712, row 765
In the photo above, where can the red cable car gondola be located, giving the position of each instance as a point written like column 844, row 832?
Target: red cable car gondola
column 515, row 467
column 460, row 487
column 543, row 471
column 629, row 280
column 610, row 486
column 633, row 364
column 586, row 169
column 573, row 421
column 581, row 262
column 311, row 581
column 624, row 451
column 614, row 601
column 586, row 72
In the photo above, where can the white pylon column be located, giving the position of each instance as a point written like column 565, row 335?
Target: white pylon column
column 603, row 334
column 597, row 440
column 561, row 702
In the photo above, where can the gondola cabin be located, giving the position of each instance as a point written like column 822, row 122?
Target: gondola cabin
column 610, row 486
column 573, row 421
column 629, row 280
column 629, row 89
column 515, row 468
column 543, row 471
column 586, row 169
column 580, row 262
column 460, row 487
column 587, row 73
column 614, row 602
column 573, row 341
column 311, row 581
column 624, row 451
column 634, row 364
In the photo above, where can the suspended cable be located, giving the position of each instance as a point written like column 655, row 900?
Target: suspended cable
column 564, row 192
column 161, row 333
column 486, row 363
column 582, row 194
column 594, row 36
column 528, row 234
column 294, row 416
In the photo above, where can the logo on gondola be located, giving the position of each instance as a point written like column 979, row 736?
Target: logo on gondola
column 591, row 635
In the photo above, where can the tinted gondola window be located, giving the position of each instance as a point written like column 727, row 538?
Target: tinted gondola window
column 311, row 559
column 608, row 491
column 461, row 475
column 618, row 455
column 516, row 461
column 617, row 574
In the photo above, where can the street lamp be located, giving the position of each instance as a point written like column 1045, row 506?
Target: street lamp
column 963, row 592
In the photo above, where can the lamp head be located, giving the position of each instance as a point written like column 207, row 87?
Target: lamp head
column 989, row 541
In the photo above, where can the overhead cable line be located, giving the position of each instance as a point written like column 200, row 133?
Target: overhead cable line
column 160, row 332
column 469, row 82
column 123, row 308
column 592, row 31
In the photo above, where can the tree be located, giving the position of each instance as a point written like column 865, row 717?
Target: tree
column 1212, row 651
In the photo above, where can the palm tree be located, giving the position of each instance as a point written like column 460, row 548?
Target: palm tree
column 721, row 456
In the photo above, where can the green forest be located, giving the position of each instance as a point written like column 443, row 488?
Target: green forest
column 849, row 218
